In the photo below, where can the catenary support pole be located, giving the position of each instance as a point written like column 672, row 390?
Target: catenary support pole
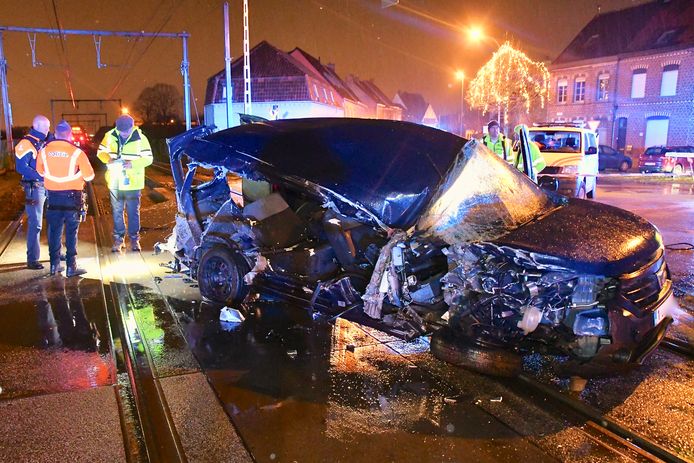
column 186, row 82
column 227, row 65
column 6, row 110
column 246, row 62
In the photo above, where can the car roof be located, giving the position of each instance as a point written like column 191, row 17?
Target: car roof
column 557, row 128
column 391, row 168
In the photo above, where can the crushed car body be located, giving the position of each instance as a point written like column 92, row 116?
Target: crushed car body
column 413, row 230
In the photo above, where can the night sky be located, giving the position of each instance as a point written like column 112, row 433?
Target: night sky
column 413, row 47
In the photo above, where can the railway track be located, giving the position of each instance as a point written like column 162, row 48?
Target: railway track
column 161, row 440
column 645, row 447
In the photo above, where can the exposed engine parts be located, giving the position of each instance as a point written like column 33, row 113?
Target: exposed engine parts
column 502, row 296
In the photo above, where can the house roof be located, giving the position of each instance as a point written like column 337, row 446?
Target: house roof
column 276, row 76
column 327, row 73
column 650, row 26
column 415, row 105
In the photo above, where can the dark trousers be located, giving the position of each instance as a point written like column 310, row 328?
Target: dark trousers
column 35, row 196
column 125, row 201
column 63, row 212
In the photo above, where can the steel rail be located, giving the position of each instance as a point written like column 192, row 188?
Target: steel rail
column 677, row 346
column 608, row 426
column 162, row 442
column 8, row 233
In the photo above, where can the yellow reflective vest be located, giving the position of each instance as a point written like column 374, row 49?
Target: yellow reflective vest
column 536, row 157
column 114, row 152
column 502, row 147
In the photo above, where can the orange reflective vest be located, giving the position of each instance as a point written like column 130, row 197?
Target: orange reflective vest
column 63, row 166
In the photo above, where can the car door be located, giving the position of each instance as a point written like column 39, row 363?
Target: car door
column 612, row 158
column 605, row 157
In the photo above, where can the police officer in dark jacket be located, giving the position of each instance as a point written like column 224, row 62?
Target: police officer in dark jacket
column 26, row 152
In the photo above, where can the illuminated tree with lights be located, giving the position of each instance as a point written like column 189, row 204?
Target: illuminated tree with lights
column 509, row 82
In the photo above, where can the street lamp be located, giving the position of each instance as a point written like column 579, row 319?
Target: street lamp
column 460, row 75
column 476, row 34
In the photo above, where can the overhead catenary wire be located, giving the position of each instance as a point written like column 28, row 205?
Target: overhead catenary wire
column 66, row 66
column 146, row 48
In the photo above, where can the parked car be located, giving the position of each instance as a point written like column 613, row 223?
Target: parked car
column 79, row 136
column 571, row 154
column 668, row 159
column 610, row 158
column 413, row 230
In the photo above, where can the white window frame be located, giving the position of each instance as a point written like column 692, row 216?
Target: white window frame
column 562, row 96
column 668, row 82
column 638, row 83
column 582, row 93
column 603, row 94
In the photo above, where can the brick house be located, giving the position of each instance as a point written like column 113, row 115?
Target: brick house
column 633, row 72
column 294, row 85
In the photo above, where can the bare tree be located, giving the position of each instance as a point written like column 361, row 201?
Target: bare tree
column 159, row 104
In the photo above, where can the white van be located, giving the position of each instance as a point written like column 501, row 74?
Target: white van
column 571, row 154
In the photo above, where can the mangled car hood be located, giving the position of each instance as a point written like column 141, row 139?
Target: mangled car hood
column 589, row 237
column 482, row 198
column 391, row 168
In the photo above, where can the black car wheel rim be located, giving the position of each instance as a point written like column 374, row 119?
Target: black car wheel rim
column 217, row 275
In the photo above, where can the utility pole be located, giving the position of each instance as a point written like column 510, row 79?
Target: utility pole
column 227, row 66
column 6, row 110
column 246, row 62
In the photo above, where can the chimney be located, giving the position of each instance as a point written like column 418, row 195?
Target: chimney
column 331, row 66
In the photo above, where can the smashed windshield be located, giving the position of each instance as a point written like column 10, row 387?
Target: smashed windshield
column 482, row 199
column 557, row 141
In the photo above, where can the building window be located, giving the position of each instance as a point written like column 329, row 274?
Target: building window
column 332, row 97
column 603, row 84
column 668, row 86
column 315, row 92
column 656, row 131
column 561, row 91
column 580, row 90
column 638, row 83
column 325, row 94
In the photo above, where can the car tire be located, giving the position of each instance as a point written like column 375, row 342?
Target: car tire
column 678, row 170
column 458, row 351
column 623, row 166
column 220, row 275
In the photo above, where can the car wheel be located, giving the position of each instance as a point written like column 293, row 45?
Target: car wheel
column 446, row 346
column 220, row 275
column 624, row 166
column 678, row 170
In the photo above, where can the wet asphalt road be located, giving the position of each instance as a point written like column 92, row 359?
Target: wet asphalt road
column 302, row 390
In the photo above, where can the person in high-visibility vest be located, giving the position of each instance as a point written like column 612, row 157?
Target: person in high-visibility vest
column 536, row 157
column 497, row 142
column 126, row 152
column 26, row 152
column 65, row 169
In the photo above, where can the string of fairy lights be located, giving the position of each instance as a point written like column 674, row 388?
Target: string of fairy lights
column 508, row 81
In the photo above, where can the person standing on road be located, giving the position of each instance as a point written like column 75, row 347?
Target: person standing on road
column 26, row 152
column 65, row 169
column 126, row 152
column 497, row 142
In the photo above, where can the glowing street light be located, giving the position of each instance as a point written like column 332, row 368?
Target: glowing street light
column 124, row 110
column 476, row 34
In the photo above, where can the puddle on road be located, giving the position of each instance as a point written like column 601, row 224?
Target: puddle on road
column 331, row 392
column 54, row 337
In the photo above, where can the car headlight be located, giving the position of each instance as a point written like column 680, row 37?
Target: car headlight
column 573, row 169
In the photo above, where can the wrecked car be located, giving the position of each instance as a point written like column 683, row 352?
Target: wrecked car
column 413, row 230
